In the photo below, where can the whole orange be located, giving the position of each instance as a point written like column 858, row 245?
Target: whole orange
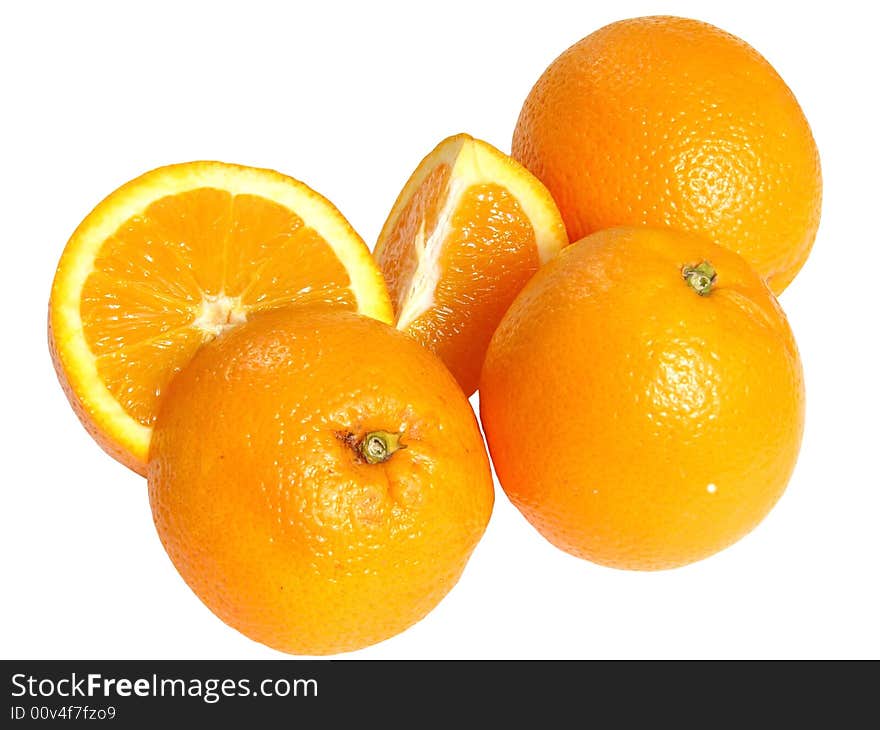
column 664, row 121
column 643, row 399
column 318, row 479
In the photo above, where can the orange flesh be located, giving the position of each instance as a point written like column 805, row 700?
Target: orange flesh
column 488, row 254
column 152, row 278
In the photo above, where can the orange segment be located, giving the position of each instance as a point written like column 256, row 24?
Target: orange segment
column 171, row 260
column 467, row 232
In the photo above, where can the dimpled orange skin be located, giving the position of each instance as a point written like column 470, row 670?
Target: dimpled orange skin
column 664, row 121
column 268, row 511
column 634, row 422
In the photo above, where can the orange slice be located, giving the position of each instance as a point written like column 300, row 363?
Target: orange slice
column 172, row 259
column 467, row 232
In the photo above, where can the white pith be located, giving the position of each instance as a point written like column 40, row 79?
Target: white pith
column 218, row 313
column 420, row 297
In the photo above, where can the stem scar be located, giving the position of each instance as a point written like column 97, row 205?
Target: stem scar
column 700, row 278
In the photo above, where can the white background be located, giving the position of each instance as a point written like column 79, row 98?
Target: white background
column 349, row 98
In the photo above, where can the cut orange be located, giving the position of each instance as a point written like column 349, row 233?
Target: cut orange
column 173, row 258
column 467, row 232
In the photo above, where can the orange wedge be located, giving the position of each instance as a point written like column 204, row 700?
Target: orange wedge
column 467, row 232
column 172, row 259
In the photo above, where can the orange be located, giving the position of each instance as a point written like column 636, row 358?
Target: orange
column 466, row 233
column 643, row 399
column 318, row 479
column 171, row 259
column 664, row 121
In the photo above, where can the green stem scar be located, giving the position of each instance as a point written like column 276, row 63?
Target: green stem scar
column 700, row 278
column 379, row 446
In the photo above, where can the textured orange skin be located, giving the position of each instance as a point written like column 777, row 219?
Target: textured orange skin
column 269, row 514
column 633, row 422
column 663, row 121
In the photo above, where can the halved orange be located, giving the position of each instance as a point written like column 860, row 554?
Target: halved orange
column 467, row 232
column 173, row 258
